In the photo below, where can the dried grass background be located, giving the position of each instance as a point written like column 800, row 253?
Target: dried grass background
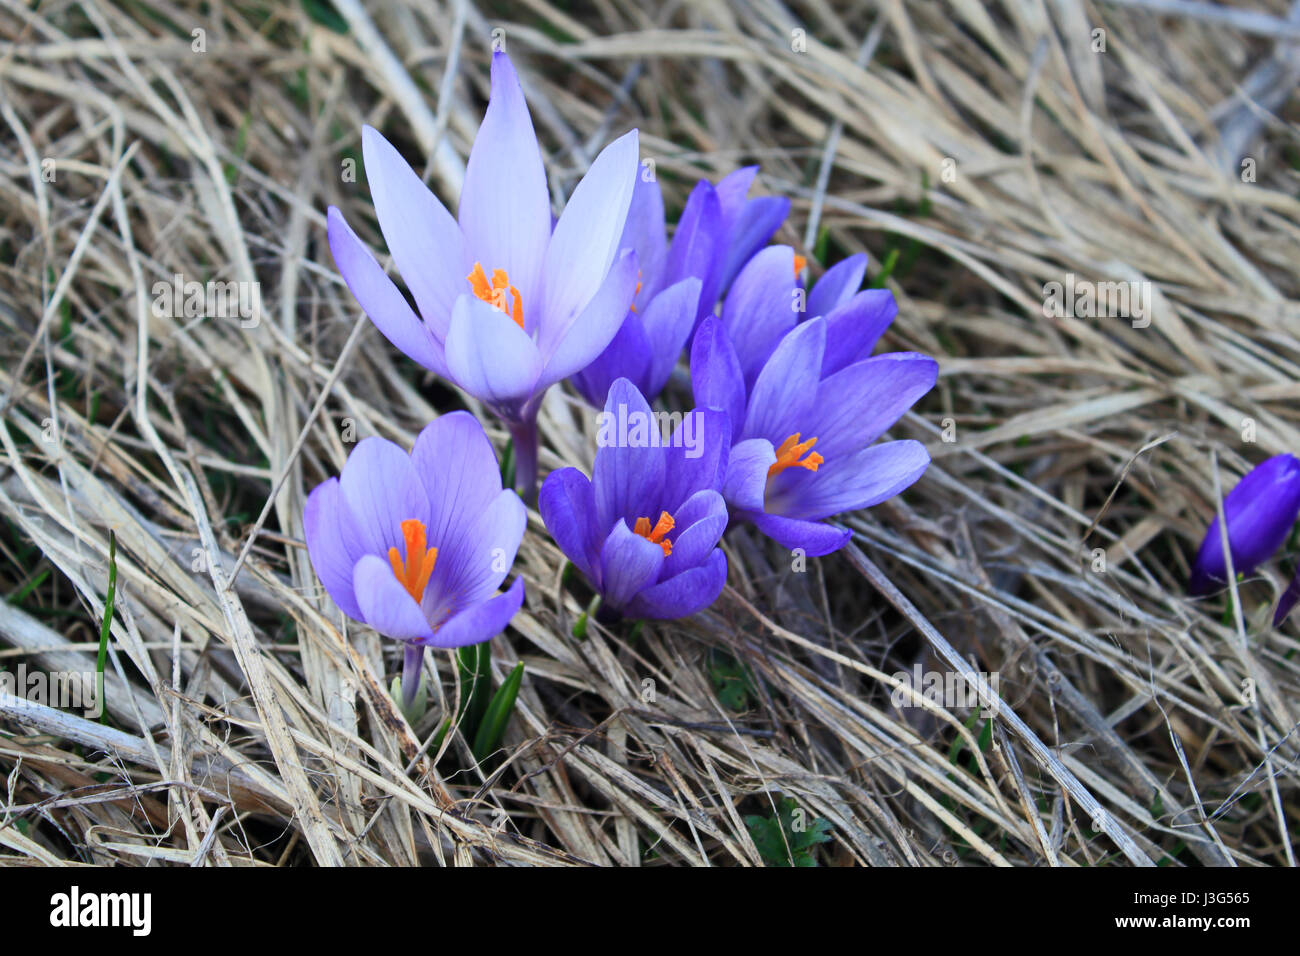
column 249, row 724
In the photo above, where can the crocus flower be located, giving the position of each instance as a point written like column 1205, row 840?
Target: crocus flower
column 668, row 293
column 766, row 302
column 1260, row 511
column 416, row 545
column 774, row 477
column 747, row 224
column 719, row 232
column 644, row 530
column 506, row 304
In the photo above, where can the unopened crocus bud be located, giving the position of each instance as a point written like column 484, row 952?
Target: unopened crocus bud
column 1260, row 511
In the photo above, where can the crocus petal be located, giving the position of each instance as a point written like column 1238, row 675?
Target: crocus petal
column 505, row 208
column 812, row 537
column 745, row 483
column 628, row 472
column 488, row 355
column 761, row 307
column 696, row 457
column 758, row 222
column 424, row 239
column 385, row 604
column 698, row 246
column 479, row 622
column 1288, row 601
column 837, row 285
column 461, row 493
column 700, row 522
column 717, row 380
column 381, row 490
column 668, row 321
column 587, row 234
column 781, row 402
column 627, row 356
column 856, row 405
column 568, row 508
column 570, row 347
column 628, row 563
column 853, row 328
column 1260, row 511
column 732, row 190
column 474, row 562
column 864, row 479
column 683, row 594
column 644, row 232
column 332, row 544
column 380, row 298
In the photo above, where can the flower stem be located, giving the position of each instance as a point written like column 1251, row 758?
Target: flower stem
column 525, row 439
column 607, row 615
column 411, row 668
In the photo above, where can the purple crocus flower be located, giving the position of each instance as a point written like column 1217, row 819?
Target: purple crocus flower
column 747, row 224
column 766, row 302
column 718, row 232
column 644, row 530
column 1260, row 511
column 416, row 545
column 800, row 399
column 507, row 304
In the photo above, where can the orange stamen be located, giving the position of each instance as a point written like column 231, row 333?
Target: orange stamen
column 790, row 454
column 413, row 573
column 636, row 292
column 799, row 263
column 499, row 293
column 656, row 535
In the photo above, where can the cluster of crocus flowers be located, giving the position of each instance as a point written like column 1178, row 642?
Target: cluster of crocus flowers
column 506, row 304
column 1260, row 511
column 644, row 529
column 805, row 406
column 719, row 231
column 506, row 300
column 416, row 545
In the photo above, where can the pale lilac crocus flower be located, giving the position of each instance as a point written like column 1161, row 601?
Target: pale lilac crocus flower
column 416, row 545
column 506, row 304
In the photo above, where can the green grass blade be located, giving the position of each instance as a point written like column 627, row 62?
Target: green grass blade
column 498, row 713
column 105, row 628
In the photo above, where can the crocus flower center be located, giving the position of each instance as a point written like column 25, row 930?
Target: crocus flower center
column 656, row 534
column 413, row 573
column 799, row 263
column 499, row 294
column 791, row 454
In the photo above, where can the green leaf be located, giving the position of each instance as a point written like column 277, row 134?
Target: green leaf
column 508, row 466
column 891, row 260
column 475, row 665
column 323, row 12
column 498, row 714
column 789, row 838
column 732, row 680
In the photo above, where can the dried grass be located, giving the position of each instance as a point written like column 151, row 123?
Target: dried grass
column 250, row 724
